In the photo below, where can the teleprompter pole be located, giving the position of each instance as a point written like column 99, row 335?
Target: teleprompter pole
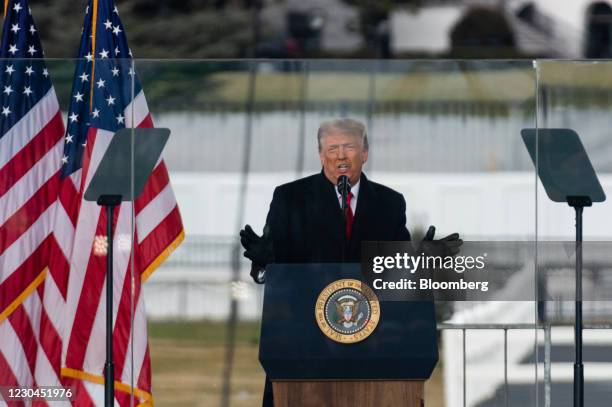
column 578, row 203
column 109, row 201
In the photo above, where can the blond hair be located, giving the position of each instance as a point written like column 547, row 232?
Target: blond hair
column 344, row 125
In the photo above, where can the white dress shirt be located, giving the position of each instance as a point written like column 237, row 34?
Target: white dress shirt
column 354, row 191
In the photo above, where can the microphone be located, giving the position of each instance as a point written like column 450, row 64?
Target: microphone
column 344, row 187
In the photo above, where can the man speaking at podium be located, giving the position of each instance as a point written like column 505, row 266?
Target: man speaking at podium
column 305, row 223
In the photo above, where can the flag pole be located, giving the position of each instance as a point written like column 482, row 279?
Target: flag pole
column 110, row 202
column 94, row 20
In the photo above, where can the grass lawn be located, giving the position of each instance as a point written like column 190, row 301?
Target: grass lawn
column 187, row 362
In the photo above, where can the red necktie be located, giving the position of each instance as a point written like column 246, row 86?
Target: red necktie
column 349, row 215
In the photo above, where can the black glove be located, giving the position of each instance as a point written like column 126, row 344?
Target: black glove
column 430, row 234
column 447, row 246
column 257, row 249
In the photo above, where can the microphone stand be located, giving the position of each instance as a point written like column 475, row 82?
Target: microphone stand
column 344, row 187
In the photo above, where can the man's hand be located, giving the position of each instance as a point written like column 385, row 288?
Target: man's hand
column 257, row 249
column 430, row 234
column 447, row 246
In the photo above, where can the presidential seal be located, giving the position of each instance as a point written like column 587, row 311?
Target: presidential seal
column 347, row 311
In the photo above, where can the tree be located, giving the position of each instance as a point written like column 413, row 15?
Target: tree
column 374, row 12
column 483, row 32
column 155, row 28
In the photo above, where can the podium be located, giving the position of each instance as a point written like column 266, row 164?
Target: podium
column 308, row 368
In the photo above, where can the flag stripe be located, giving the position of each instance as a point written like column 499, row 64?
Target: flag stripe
column 148, row 219
column 23, row 160
column 144, row 380
column 14, row 353
column 123, row 323
column 51, row 323
column 63, row 232
column 158, row 245
column 54, row 304
column 21, row 284
column 123, row 293
column 23, row 328
column 122, row 243
column 139, row 337
column 31, row 182
column 44, row 372
column 51, row 342
column 96, row 391
column 157, row 182
column 28, row 127
column 87, row 225
column 19, row 252
column 27, row 215
column 96, row 334
column 88, row 221
column 7, row 378
column 90, row 296
column 137, row 112
column 58, row 268
column 68, row 197
column 81, row 396
column 93, row 154
column 90, row 312
column 121, row 246
column 91, row 267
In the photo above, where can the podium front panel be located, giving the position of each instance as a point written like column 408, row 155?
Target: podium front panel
column 402, row 346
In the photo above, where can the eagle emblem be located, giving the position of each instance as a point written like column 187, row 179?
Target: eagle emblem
column 347, row 311
column 347, row 308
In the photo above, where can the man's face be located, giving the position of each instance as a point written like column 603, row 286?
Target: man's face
column 342, row 154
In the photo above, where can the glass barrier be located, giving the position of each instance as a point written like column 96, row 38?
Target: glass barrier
column 458, row 139
column 187, row 314
column 573, row 168
column 56, row 127
column 446, row 134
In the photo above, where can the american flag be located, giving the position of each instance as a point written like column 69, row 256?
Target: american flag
column 106, row 96
column 32, row 293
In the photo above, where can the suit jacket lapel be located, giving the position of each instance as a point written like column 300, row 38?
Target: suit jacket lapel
column 362, row 214
column 330, row 213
